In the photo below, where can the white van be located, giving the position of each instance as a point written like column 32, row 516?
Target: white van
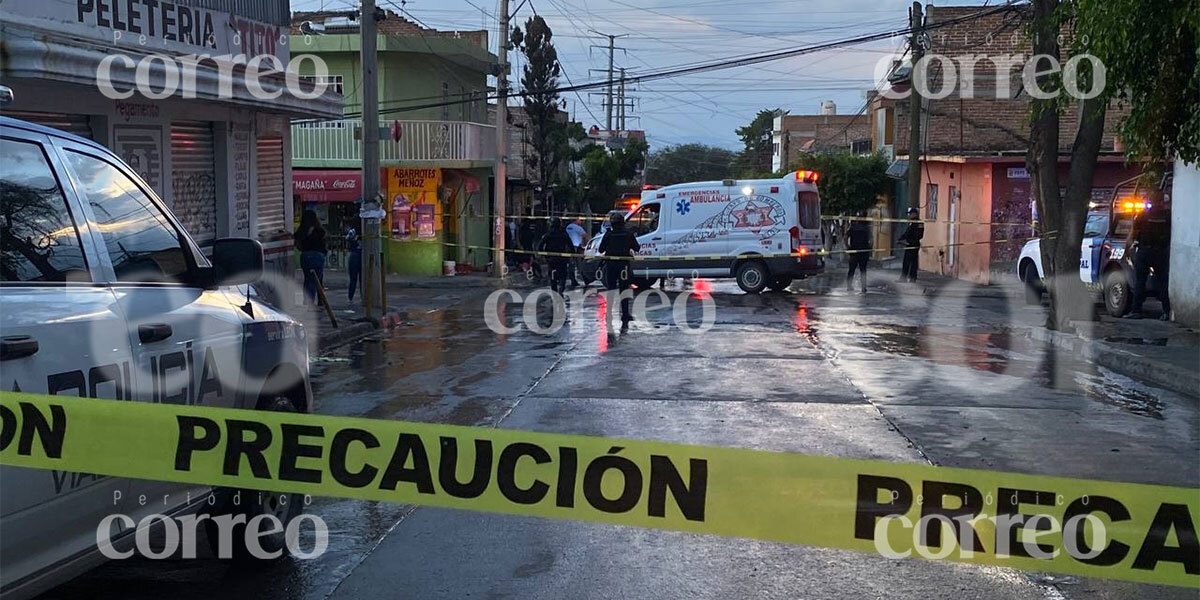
column 763, row 232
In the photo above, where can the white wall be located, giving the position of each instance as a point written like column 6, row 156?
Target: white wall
column 1185, row 244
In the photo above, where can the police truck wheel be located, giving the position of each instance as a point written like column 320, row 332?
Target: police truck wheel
column 1033, row 294
column 252, row 503
column 1116, row 293
column 752, row 276
column 780, row 284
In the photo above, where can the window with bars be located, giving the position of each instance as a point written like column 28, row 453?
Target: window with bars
column 931, row 201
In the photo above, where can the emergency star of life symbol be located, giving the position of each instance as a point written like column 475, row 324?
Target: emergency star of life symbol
column 753, row 216
column 683, row 206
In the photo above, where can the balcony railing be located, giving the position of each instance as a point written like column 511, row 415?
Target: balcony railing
column 337, row 142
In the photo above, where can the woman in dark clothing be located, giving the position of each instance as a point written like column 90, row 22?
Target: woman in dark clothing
column 618, row 242
column 310, row 241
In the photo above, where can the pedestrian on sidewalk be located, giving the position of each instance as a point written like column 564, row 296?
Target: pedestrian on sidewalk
column 310, row 241
column 354, row 262
column 579, row 238
column 858, row 243
column 1151, row 232
column 557, row 243
column 912, row 245
column 619, row 244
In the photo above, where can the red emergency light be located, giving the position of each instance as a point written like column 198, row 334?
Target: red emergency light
column 648, row 187
column 807, row 176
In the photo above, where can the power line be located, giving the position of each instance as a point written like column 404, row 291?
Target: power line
column 678, row 71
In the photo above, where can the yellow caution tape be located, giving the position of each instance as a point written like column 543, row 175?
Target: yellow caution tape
column 1091, row 528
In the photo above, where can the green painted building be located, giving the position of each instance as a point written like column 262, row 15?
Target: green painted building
column 437, row 177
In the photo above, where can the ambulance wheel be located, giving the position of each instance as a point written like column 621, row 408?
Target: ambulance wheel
column 253, row 503
column 780, row 284
column 1116, row 293
column 752, row 276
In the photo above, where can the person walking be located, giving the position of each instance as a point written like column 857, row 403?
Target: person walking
column 579, row 238
column 310, row 241
column 858, row 243
column 557, row 243
column 354, row 261
column 619, row 244
column 1151, row 232
column 912, row 246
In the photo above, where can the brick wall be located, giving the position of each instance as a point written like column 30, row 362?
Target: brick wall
column 985, row 123
column 823, row 133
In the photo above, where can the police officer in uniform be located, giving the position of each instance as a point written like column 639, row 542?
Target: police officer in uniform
column 1151, row 231
column 912, row 246
column 619, row 243
column 558, row 244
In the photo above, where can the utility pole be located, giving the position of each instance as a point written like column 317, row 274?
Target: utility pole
column 914, row 109
column 371, row 211
column 609, row 102
column 501, row 178
column 621, row 111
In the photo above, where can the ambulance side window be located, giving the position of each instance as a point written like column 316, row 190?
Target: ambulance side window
column 645, row 220
column 38, row 240
column 141, row 242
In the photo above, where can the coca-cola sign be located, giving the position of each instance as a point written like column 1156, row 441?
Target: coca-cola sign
column 327, row 186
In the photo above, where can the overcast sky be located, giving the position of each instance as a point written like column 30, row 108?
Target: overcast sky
column 658, row 34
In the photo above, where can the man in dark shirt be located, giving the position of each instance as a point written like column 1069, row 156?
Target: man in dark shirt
column 558, row 244
column 858, row 244
column 912, row 246
column 621, row 244
column 1151, row 232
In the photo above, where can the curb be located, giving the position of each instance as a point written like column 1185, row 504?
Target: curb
column 1132, row 365
column 357, row 330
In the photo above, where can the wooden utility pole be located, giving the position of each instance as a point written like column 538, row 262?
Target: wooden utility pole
column 914, row 109
column 501, row 177
column 371, row 210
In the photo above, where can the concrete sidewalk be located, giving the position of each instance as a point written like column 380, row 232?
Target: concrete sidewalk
column 406, row 299
column 1161, row 353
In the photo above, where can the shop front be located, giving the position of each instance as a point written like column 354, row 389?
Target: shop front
column 335, row 195
column 217, row 155
column 435, row 216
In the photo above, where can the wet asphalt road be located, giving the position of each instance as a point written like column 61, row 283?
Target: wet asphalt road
column 948, row 378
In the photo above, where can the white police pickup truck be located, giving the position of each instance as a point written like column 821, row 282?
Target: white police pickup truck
column 1103, row 264
column 104, row 295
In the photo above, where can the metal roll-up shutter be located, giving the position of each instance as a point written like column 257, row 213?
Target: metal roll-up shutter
column 79, row 125
column 271, row 192
column 194, row 179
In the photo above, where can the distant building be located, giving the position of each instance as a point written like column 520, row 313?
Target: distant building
column 794, row 135
column 524, row 178
column 974, row 184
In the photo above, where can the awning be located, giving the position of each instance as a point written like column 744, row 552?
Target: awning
column 327, row 185
column 898, row 169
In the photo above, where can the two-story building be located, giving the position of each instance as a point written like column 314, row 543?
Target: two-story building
column 436, row 161
column 975, row 188
column 793, row 135
column 218, row 153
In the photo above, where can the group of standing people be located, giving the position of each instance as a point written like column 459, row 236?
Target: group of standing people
column 859, row 248
column 311, row 240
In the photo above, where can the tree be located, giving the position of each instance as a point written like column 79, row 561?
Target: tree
column 603, row 172
column 755, row 159
column 1149, row 51
column 548, row 131
column 689, row 162
column 848, row 182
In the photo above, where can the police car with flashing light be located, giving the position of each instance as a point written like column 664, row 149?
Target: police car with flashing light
column 103, row 294
column 761, row 232
column 1104, row 265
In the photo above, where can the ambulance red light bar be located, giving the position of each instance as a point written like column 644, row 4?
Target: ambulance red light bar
column 807, row 176
column 647, row 187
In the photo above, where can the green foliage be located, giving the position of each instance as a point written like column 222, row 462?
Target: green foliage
column 1152, row 63
column 689, row 162
column 755, row 159
column 548, row 132
column 848, row 182
column 603, row 171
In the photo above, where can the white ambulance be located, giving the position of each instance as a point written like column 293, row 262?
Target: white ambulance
column 762, row 232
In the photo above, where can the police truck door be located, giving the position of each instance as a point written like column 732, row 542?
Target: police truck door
column 59, row 334
column 186, row 339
